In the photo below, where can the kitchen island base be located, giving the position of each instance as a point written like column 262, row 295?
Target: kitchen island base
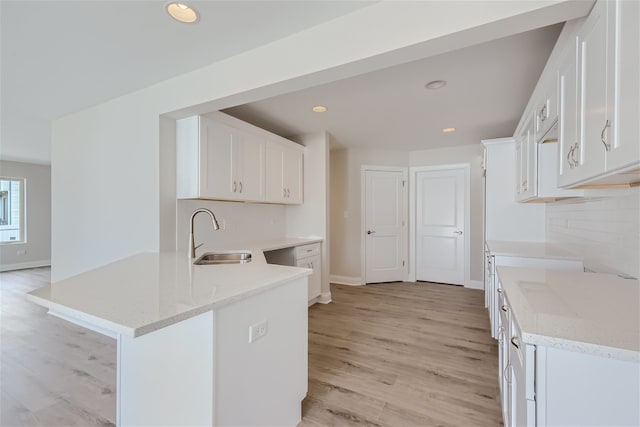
column 204, row 370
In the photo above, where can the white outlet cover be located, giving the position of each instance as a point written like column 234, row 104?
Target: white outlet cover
column 258, row 330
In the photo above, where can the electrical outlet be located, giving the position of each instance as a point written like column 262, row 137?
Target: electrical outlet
column 258, row 331
column 22, row 252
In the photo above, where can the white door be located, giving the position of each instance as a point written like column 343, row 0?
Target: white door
column 440, row 226
column 384, row 226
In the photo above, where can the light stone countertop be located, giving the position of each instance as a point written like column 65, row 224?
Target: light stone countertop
column 590, row 313
column 145, row 292
column 529, row 250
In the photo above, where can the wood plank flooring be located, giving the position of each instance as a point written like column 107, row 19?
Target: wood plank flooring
column 400, row 354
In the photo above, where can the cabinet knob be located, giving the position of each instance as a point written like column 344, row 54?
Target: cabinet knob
column 458, row 232
column 515, row 342
column 370, row 232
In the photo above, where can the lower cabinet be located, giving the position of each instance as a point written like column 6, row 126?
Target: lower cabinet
column 304, row 256
column 308, row 256
column 549, row 386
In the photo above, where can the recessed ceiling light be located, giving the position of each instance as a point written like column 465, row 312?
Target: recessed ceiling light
column 436, row 84
column 319, row 109
column 183, row 13
column 448, row 130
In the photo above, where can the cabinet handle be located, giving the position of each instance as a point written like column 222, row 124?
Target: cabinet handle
column 240, row 186
column 524, row 185
column 574, row 156
column 311, row 265
column 234, row 186
column 458, row 232
column 504, row 308
column 499, row 290
column 284, row 192
column 568, row 157
column 288, row 193
column 607, row 147
column 543, row 113
column 515, row 342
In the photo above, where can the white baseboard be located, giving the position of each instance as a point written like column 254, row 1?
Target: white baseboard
column 23, row 265
column 345, row 280
column 324, row 298
column 475, row 284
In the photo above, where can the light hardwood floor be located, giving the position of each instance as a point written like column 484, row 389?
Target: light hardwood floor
column 400, row 354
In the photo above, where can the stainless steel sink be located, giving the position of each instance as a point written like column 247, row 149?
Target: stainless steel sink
column 224, row 257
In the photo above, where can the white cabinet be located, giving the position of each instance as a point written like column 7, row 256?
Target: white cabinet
column 526, row 161
column 546, row 111
column 219, row 157
column 305, row 256
column 284, row 173
column 308, row 256
column 599, row 107
column 547, row 386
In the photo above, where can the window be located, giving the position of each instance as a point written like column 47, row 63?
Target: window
column 11, row 210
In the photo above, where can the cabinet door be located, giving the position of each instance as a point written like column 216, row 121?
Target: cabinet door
column 249, row 168
column 275, row 191
column 518, row 150
column 593, row 95
column 284, row 174
column 623, row 136
column 518, row 398
column 292, row 175
column 568, row 130
column 216, row 146
column 315, row 281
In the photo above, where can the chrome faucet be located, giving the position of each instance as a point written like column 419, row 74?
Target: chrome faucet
column 192, row 243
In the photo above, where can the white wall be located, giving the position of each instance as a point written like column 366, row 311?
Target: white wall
column 38, row 219
column 106, row 159
column 311, row 219
column 604, row 230
column 471, row 154
column 346, row 202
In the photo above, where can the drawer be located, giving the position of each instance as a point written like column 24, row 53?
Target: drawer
column 307, row 250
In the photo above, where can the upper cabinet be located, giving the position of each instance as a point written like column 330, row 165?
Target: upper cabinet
column 223, row 158
column 599, row 103
column 284, row 173
column 526, row 161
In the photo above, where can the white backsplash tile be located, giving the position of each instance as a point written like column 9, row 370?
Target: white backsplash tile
column 604, row 230
column 243, row 222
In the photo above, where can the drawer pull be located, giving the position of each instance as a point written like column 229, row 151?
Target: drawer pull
column 515, row 342
column 504, row 308
column 607, row 147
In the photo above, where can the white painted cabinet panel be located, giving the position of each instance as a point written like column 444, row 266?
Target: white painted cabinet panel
column 284, row 173
column 223, row 158
column 624, row 84
column 605, row 148
column 313, row 262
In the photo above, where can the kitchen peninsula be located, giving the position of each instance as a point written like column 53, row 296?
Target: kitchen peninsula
column 197, row 344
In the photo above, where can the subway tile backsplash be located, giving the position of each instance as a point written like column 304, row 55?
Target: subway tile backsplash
column 604, row 230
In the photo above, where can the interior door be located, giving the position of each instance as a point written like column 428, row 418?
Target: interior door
column 384, row 226
column 440, row 226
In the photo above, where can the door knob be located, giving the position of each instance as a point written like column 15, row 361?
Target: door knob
column 459, row 232
column 370, row 232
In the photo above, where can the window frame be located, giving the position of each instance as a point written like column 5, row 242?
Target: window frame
column 23, row 212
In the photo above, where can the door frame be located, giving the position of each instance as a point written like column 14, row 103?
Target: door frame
column 363, row 225
column 413, row 173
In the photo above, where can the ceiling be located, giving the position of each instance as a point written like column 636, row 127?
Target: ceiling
column 488, row 87
column 59, row 57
